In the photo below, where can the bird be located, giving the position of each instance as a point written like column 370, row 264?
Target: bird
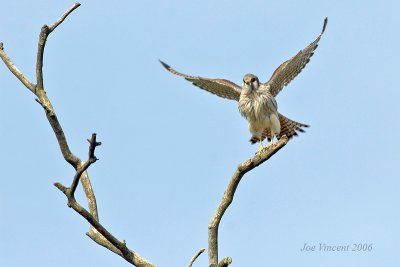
column 256, row 101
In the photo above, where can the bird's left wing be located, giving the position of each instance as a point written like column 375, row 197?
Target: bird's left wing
column 219, row 87
column 289, row 69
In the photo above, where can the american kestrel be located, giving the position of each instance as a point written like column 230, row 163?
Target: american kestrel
column 257, row 100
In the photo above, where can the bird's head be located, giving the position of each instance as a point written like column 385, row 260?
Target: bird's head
column 250, row 82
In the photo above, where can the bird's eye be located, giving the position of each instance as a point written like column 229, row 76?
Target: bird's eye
column 252, row 79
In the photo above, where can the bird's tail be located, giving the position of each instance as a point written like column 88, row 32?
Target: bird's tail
column 288, row 128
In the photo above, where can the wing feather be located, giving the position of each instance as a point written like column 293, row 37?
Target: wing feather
column 289, row 69
column 219, row 87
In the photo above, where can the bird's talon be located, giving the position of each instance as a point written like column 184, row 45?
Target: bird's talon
column 265, row 148
column 261, row 150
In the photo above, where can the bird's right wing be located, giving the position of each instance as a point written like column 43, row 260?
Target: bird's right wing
column 219, row 87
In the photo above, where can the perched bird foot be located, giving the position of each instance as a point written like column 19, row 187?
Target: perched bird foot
column 260, row 150
column 264, row 148
column 271, row 144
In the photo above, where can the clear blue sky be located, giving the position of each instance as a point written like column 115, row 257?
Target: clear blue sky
column 169, row 149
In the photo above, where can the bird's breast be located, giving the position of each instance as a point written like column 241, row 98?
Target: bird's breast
column 255, row 106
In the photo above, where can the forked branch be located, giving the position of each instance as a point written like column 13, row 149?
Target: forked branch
column 97, row 232
column 118, row 247
column 92, row 159
column 46, row 30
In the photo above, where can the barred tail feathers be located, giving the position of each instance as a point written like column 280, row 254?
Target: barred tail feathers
column 289, row 128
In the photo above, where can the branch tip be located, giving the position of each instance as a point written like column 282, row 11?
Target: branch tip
column 196, row 256
column 61, row 187
column 64, row 16
column 225, row 262
column 93, row 144
column 14, row 70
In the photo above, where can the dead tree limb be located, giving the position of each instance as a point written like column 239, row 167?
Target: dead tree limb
column 194, row 258
column 97, row 232
column 227, row 199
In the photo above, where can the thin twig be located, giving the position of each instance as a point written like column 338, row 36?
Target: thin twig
column 227, row 199
column 93, row 144
column 78, row 175
column 14, row 70
column 195, row 257
column 63, row 17
column 92, row 159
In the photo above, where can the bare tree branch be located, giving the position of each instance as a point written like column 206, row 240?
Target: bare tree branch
column 92, row 159
column 97, row 232
column 102, row 241
column 42, row 98
column 117, row 246
column 195, row 257
column 225, row 262
column 63, row 17
column 14, row 70
column 44, row 33
column 227, row 199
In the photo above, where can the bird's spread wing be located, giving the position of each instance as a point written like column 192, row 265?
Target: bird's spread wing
column 219, row 87
column 289, row 69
